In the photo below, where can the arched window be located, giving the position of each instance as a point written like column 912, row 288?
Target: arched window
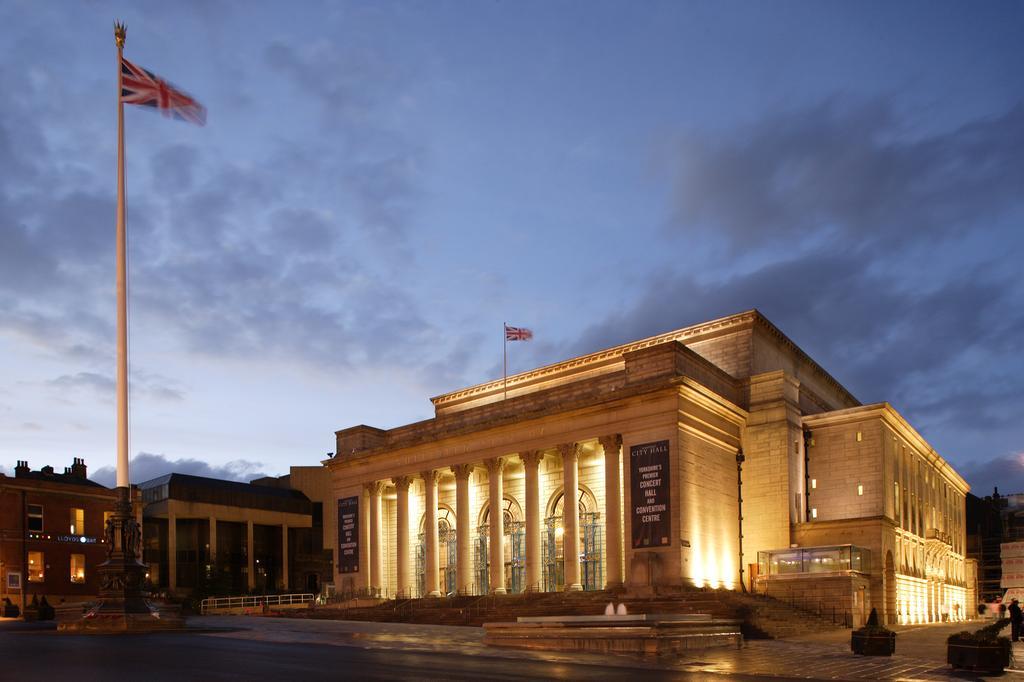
column 591, row 545
column 513, row 547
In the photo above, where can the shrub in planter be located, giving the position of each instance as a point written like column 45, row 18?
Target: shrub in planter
column 46, row 611
column 10, row 610
column 983, row 649
column 873, row 639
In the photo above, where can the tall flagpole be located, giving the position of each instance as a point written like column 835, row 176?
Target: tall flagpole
column 122, row 605
column 504, row 364
column 122, row 281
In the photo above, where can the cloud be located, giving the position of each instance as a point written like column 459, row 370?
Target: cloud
column 143, row 384
column 853, row 167
column 873, row 250
column 146, row 466
column 290, row 252
column 1005, row 472
column 102, row 385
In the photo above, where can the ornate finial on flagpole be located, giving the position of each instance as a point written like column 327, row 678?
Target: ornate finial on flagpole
column 119, row 33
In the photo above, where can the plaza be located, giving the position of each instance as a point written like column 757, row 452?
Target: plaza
column 258, row 648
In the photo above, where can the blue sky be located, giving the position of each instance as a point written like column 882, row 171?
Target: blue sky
column 381, row 185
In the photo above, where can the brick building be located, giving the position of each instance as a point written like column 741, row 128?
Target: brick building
column 665, row 444
column 52, row 531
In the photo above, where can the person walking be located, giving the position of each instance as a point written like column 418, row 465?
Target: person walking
column 1016, row 618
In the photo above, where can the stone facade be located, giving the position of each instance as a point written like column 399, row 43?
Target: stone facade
column 733, row 399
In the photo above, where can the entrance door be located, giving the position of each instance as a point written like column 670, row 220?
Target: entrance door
column 449, row 551
column 483, row 563
column 593, row 551
column 515, row 551
column 591, row 546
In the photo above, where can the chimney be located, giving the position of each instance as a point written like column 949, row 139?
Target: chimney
column 78, row 469
column 22, row 468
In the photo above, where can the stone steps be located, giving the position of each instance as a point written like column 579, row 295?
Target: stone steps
column 763, row 617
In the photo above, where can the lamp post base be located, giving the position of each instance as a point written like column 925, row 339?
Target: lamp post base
column 123, row 604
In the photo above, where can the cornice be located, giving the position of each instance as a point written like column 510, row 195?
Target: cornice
column 610, row 358
column 768, row 326
column 599, row 359
column 897, row 423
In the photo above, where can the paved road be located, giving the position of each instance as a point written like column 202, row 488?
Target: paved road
column 295, row 650
column 44, row 654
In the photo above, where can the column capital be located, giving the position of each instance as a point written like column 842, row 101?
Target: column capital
column 531, row 458
column 374, row 487
column 430, row 475
column 569, row 451
column 402, row 483
column 495, row 465
column 462, row 471
column 611, row 442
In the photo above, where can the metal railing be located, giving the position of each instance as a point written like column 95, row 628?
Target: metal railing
column 257, row 602
column 810, row 605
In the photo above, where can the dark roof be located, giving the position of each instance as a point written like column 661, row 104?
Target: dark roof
column 190, row 488
column 59, row 478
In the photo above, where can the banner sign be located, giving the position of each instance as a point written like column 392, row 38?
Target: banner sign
column 651, row 494
column 348, row 535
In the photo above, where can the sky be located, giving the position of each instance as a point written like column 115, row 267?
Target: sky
column 381, row 185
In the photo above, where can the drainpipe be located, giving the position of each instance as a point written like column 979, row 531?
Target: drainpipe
column 24, row 553
column 807, row 474
column 739, row 497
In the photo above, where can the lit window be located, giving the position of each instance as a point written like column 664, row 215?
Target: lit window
column 36, row 567
column 860, row 489
column 814, row 483
column 77, row 521
column 78, row 568
column 35, row 517
column 814, row 512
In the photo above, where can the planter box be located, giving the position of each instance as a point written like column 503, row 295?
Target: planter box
column 989, row 657
column 883, row 644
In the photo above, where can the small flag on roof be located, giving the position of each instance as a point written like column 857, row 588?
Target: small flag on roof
column 517, row 333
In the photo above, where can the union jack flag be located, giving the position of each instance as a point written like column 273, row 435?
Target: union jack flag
column 517, row 333
column 139, row 86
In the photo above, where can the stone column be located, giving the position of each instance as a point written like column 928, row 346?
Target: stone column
column 212, row 555
column 531, row 462
column 250, row 555
column 402, row 532
column 284, row 558
column 432, row 564
column 463, row 526
column 612, row 510
column 496, row 554
column 172, row 551
column 571, row 515
column 361, row 581
column 376, row 538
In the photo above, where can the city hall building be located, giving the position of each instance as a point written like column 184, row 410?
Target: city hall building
column 708, row 456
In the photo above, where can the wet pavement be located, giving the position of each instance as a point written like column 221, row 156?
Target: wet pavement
column 257, row 648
